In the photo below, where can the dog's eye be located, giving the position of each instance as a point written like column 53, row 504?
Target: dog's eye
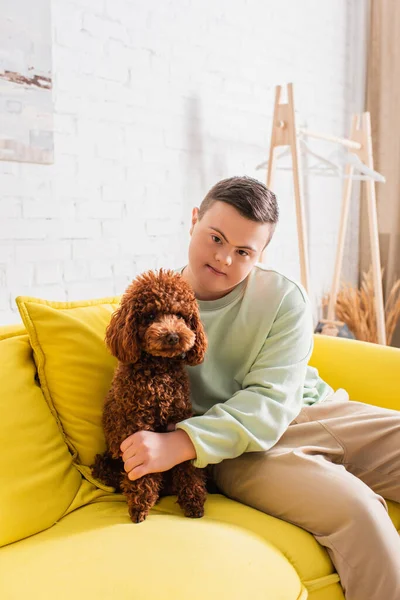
column 150, row 317
column 180, row 316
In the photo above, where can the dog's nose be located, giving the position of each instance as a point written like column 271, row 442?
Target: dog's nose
column 172, row 338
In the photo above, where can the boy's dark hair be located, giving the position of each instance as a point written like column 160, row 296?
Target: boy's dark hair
column 251, row 198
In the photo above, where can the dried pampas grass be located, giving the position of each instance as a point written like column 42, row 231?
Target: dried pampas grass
column 356, row 308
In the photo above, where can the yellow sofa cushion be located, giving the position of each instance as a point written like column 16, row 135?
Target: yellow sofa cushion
column 74, row 366
column 37, row 480
column 96, row 552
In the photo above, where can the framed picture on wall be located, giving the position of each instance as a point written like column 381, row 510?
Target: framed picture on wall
column 26, row 106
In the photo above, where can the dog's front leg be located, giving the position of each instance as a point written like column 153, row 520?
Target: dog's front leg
column 118, row 434
column 142, row 494
column 117, row 424
column 189, row 483
column 108, row 470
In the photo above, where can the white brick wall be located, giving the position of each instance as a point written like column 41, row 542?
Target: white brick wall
column 156, row 101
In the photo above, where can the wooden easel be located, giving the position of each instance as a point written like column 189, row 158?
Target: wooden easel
column 285, row 133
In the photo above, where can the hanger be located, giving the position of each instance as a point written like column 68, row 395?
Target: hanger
column 330, row 167
column 328, row 164
column 364, row 169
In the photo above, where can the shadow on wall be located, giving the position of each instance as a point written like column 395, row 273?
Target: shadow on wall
column 204, row 164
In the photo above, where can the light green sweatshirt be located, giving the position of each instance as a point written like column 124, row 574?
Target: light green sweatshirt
column 254, row 379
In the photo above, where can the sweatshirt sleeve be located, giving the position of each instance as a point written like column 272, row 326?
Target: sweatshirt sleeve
column 256, row 416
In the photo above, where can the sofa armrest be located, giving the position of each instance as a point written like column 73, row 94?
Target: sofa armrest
column 369, row 372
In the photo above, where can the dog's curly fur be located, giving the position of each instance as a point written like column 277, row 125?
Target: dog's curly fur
column 154, row 333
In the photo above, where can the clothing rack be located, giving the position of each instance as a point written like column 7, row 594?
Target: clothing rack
column 286, row 133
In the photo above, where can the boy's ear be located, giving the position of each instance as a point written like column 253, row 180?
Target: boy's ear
column 272, row 231
column 195, row 218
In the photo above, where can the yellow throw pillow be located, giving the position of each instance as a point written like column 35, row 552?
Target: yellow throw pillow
column 74, row 365
column 8, row 331
column 37, row 479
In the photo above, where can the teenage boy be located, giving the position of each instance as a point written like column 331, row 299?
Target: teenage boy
column 275, row 435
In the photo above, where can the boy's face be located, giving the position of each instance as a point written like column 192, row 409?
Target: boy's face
column 223, row 249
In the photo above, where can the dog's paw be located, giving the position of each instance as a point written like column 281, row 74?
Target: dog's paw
column 194, row 513
column 138, row 516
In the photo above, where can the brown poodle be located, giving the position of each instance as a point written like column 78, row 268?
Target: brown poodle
column 155, row 332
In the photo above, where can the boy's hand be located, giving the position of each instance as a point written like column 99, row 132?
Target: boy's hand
column 146, row 452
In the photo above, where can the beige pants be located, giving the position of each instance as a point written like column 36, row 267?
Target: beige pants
column 329, row 474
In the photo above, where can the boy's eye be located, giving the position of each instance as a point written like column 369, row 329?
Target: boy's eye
column 243, row 253
column 216, row 239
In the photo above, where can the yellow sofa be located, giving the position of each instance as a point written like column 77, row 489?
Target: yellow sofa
column 65, row 536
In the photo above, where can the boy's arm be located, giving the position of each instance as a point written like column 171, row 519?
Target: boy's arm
column 271, row 396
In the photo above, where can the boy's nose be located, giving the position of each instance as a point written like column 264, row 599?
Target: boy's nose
column 225, row 259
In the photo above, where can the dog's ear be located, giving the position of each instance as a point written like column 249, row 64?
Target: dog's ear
column 196, row 354
column 121, row 334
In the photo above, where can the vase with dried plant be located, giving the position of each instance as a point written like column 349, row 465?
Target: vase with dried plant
column 356, row 308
